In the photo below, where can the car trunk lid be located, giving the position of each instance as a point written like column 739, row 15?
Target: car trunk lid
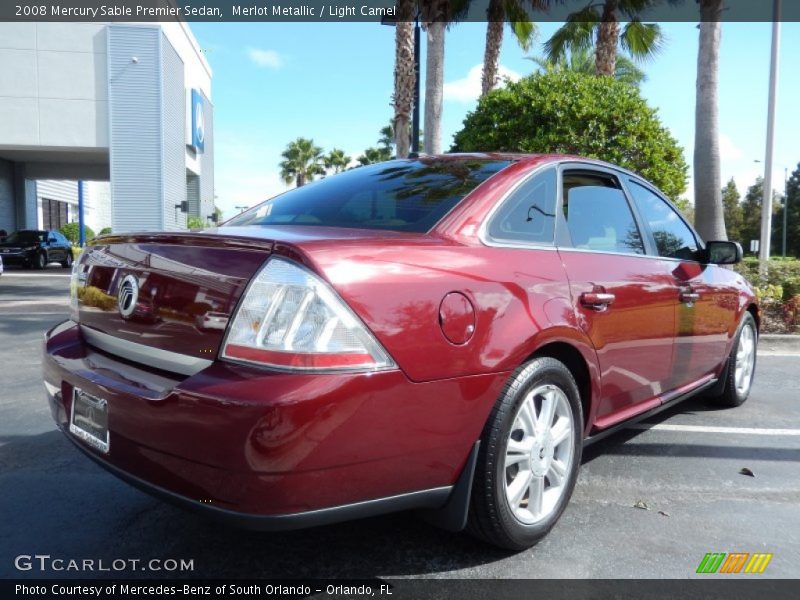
column 164, row 299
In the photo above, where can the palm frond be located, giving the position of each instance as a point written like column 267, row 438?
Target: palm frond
column 576, row 32
column 642, row 41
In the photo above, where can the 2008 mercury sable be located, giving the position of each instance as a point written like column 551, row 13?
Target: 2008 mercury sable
column 442, row 333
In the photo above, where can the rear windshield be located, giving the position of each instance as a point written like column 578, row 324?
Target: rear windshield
column 400, row 195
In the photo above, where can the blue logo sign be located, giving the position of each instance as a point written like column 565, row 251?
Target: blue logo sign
column 198, row 122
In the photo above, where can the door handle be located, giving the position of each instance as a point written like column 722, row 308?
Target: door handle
column 597, row 300
column 689, row 296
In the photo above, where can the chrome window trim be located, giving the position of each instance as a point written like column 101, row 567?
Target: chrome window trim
column 560, row 165
column 145, row 355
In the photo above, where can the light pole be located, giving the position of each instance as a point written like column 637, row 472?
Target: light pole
column 766, row 205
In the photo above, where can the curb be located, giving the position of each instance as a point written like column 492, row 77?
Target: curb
column 779, row 343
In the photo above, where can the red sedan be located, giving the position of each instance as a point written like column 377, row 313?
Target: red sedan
column 443, row 333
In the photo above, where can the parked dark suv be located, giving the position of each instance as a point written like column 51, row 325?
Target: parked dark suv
column 36, row 248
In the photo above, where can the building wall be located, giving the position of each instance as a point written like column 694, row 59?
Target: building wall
column 8, row 219
column 207, row 165
column 53, row 88
column 134, row 73
column 173, row 136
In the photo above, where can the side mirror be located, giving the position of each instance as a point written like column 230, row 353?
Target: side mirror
column 723, row 253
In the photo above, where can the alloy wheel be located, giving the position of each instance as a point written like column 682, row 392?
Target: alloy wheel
column 745, row 359
column 539, row 454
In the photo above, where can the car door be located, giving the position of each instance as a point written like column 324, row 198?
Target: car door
column 706, row 306
column 623, row 297
column 52, row 247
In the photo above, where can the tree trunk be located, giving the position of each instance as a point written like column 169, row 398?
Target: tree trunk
column 434, row 84
column 607, row 41
column 494, row 40
column 709, row 215
column 404, row 76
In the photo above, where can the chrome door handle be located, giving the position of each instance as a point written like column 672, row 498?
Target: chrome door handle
column 597, row 300
column 689, row 297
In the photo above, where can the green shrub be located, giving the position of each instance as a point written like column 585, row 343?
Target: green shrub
column 573, row 113
column 72, row 232
column 105, row 231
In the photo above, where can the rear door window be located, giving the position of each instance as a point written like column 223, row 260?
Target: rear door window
column 598, row 215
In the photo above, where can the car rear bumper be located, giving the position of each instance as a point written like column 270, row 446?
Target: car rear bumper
column 268, row 449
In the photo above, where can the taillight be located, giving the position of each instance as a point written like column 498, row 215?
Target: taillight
column 289, row 318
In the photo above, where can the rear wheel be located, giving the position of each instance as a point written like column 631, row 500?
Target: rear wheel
column 529, row 456
column 741, row 365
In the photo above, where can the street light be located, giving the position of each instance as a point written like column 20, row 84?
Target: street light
column 392, row 22
column 241, row 209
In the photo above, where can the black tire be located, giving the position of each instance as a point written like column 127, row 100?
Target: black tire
column 731, row 396
column 67, row 262
column 490, row 516
column 40, row 261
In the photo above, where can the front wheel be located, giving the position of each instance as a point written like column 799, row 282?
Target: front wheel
column 40, row 261
column 741, row 365
column 529, row 456
column 67, row 262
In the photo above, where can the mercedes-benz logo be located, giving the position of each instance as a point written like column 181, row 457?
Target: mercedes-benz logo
column 128, row 295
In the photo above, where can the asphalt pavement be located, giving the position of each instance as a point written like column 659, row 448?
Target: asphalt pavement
column 682, row 469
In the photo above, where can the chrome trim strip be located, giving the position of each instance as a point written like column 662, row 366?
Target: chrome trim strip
column 146, row 355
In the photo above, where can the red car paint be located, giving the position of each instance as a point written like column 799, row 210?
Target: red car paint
column 457, row 316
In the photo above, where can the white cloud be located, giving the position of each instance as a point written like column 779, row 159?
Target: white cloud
column 469, row 88
column 268, row 59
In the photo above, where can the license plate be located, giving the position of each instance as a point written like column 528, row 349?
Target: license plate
column 89, row 419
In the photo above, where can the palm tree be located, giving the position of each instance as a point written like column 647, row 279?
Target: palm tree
column 374, row 155
column 581, row 60
column 437, row 15
column 709, row 213
column 498, row 13
column 336, row 160
column 405, row 76
column 588, row 27
column 386, row 139
column 302, row 161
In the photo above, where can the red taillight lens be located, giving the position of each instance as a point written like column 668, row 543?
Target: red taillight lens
column 289, row 318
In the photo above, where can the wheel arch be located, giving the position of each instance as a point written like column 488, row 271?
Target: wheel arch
column 577, row 364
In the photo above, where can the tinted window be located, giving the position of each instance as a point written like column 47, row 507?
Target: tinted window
column 26, row 237
column 401, row 195
column 528, row 215
column 672, row 236
column 60, row 237
column 598, row 215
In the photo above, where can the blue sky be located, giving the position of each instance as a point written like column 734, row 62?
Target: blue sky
column 333, row 82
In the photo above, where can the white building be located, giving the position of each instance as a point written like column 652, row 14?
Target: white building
column 124, row 107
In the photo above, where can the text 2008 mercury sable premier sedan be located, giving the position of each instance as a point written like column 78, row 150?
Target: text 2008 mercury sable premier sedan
column 443, row 333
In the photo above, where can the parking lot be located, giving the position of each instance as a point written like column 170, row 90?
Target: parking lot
column 682, row 469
